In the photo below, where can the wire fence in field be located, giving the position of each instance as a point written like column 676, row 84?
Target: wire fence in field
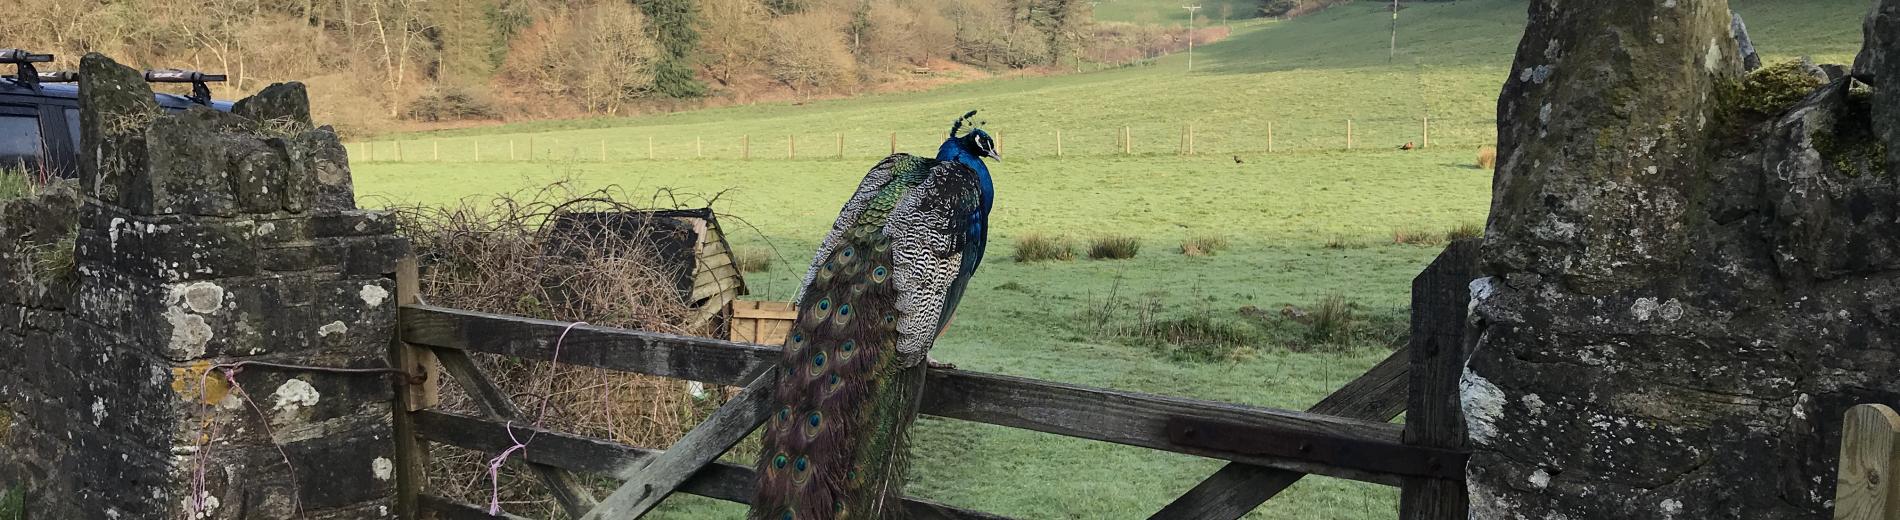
column 1227, row 138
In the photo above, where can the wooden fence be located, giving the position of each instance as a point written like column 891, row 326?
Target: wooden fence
column 1188, row 138
column 1347, row 435
column 1867, row 488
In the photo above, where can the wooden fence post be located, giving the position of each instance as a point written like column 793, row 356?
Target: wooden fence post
column 511, row 148
column 791, row 146
column 1870, row 461
column 893, row 142
column 435, row 149
column 1348, row 134
column 840, row 145
column 369, row 150
column 477, row 143
column 1427, row 124
column 1434, row 417
column 1058, row 143
column 1127, row 145
column 649, row 148
column 417, row 391
column 398, row 151
column 745, row 146
column 1190, row 138
column 1269, row 137
column 530, row 148
column 699, row 148
column 603, row 150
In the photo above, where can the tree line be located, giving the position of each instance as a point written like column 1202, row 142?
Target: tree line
column 370, row 62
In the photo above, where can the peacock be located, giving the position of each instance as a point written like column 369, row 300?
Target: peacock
column 882, row 287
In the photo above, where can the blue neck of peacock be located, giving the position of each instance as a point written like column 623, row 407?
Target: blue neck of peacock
column 954, row 151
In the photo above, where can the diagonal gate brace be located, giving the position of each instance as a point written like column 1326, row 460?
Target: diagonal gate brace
column 568, row 492
column 648, row 483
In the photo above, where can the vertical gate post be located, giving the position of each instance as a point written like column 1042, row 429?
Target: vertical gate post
column 1434, row 417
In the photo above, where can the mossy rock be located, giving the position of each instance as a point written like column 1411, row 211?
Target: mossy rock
column 1771, row 90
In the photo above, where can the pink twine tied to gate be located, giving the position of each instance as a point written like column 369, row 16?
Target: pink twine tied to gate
column 494, row 464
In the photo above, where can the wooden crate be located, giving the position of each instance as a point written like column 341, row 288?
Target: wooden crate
column 762, row 322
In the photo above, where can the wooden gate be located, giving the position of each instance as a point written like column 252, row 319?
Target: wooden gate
column 1347, row 435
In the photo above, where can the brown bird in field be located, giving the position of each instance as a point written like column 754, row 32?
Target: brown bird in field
column 1406, row 146
column 1238, row 161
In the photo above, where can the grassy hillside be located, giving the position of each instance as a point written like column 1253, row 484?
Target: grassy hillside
column 1170, row 11
column 1306, row 222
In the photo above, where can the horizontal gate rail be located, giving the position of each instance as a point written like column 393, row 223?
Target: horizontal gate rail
column 1129, row 418
column 1235, row 490
column 719, row 480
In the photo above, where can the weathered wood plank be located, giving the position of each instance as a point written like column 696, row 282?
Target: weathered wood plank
column 445, row 509
column 410, row 452
column 1235, row 490
column 650, row 481
column 1435, row 417
column 568, row 492
column 1139, row 419
column 1089, row 413
column 683, row 357
column 719, row 480
column 1868, row 486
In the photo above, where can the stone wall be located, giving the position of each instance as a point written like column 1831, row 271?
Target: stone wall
column 1682, row 293
column 199, row 244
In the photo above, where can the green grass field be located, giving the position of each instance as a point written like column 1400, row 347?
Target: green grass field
column 1280, row 211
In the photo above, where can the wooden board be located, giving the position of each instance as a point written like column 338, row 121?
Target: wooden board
column 1870, row 463
column 762, row 322
column 1238, row 488
column 649, row 481
column 719, row 480
column 1441, row 297
column 1129, row 418
column 416, row 392
column 568, row 491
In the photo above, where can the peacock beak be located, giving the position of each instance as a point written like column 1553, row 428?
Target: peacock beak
column 995, row 155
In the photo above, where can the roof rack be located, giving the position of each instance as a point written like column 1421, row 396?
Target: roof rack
column 200, row 93
column 59, row 76
column 25, row 60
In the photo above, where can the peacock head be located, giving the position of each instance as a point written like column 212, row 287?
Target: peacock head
column 974, row 141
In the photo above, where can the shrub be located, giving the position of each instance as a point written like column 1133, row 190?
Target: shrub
column 1488, row 157
column 1341, row 242
column 450, row 104
column 1037, row 247
column 752, row 260
column 14, row 184
column 1464, row 231
column 1331, row 321
column 496, row 256
column 1204, row 245
column 1414, row 236
column 1114, row 247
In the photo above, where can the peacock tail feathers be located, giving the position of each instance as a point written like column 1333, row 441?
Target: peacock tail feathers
column 881, row 287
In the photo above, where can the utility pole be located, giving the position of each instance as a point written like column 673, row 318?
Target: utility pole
column 1393, row 51
column 1190, row 34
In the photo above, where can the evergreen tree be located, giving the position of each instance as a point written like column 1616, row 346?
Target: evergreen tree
column 673, row 25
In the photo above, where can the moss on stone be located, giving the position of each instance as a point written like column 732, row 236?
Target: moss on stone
column 13, row 503
column 1851, row 145
column 1771, row 90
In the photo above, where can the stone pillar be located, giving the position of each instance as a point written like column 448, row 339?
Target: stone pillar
column 1682, row 291
column 211, row 243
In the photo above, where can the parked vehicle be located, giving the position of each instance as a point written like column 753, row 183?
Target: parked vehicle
column 39, row 113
